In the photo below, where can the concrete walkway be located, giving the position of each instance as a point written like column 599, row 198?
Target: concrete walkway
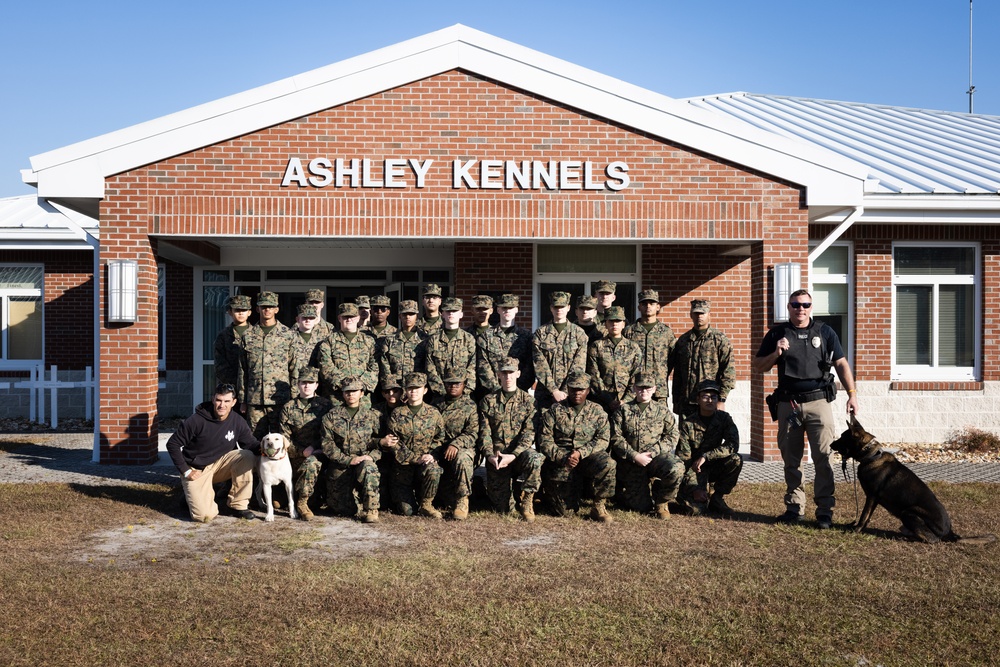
column 66, row 458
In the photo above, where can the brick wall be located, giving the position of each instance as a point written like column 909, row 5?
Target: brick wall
column 494, row 269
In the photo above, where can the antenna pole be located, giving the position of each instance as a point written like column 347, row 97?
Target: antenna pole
column 972, row 88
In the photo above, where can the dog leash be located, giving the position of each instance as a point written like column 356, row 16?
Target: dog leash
column 854, row 472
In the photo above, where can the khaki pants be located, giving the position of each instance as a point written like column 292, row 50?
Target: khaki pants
column 819, row 425
column 236, row 465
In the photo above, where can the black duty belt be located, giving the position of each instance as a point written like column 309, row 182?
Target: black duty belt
column 804, row 397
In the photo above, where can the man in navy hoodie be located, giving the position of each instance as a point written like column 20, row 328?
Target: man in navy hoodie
column 204, row 449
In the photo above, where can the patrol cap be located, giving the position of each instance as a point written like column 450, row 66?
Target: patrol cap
column 508, row 301
column 700, row 306
column 707, row 385
column 608, row 286
column 510, row 364
column 559, row 299
column 381, row 300
column 267, row 299
column 614, row 313
column 453, row 376
column 451, row 303
column 432, row 290
column 238, row 302
column 577, row 380
column 644, row 379
column 649, row 295
column 391, row 382
column 362, row 301
column 315, row 295
column 309, row 374
column 306, row 310
column 586, row 301
column 482, row 301
column 352, row 384
column 408, row 306
column 415, row 380
column 350, row 309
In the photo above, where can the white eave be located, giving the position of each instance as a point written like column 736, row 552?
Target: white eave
column 30, row 223
column 78, row 171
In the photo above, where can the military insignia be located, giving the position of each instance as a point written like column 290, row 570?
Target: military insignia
column 816, row 342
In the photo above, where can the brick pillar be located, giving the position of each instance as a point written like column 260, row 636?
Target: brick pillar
column 494, row 269
column 128, row 368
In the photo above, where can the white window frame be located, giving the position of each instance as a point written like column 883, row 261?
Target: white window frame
column 20, row 364
column 933, row 372
column 841, row 279
column 161, row 333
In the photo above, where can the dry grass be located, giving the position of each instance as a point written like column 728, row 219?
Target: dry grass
column 110, row 575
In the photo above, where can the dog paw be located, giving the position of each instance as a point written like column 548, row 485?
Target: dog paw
column 269, row 517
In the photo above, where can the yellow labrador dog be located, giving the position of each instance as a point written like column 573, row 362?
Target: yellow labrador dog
column 274, row 467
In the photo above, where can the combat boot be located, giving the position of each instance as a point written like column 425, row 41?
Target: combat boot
column 662, row 511
column 528, row 507
column 461, row 511
column 427, row 509
column 600, row 512
column 370, row 516
column 302, row 507
column 718, row 505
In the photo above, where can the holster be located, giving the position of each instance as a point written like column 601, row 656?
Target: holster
column 772, row 405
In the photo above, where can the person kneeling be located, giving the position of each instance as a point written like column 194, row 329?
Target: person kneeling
column 351, row 443
column 709, row 446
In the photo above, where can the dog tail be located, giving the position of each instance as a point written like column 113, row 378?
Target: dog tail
column 976, row 539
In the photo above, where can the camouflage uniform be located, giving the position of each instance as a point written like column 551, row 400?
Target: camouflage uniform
column 423, row 324
column 444, row 352
column 697, row 356
column 461, row 430
column 340, row 357
column 611, row 364
column 268, row 376
column 635, row 429
column 564, row 429
column 400, row 354
column 718, row 440
column 300, row 422
column 344, row 437
column 555, row 356
column 656, row 346
column 228, row 347
column 419, row 433
column 507, row 426
column 497, row 345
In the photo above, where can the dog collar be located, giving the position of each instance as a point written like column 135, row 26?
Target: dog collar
column 873, row 454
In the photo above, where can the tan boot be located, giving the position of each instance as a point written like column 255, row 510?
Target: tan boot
column 600, row 512
column 461, row 511
column 528, row 507
column 370, row 516
column 662, row 511
column 302, row 507
column 427, row 509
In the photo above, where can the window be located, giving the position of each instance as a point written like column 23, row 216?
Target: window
column 576, row 268
column 832, row 286
column 161, row 309
column 21, row 315
column 935, row 313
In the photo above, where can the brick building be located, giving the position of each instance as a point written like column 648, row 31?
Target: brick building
column 465, row 160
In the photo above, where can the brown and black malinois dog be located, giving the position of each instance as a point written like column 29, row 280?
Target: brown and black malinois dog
column 889, row 483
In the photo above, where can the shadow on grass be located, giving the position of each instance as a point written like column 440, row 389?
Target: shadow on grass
column 169, row 502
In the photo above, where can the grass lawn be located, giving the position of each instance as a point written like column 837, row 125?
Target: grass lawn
column 116, row 576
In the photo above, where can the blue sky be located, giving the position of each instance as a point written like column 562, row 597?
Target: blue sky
column 74, row 70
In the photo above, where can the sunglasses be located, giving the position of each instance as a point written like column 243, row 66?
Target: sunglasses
column 799, row 304
column 225, row 389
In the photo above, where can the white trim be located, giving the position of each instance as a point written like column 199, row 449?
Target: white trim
column 848, row 279
column 7, row 364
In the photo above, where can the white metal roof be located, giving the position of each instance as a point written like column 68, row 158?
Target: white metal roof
column 30, row 223
column 906, row 151
column 78, row 171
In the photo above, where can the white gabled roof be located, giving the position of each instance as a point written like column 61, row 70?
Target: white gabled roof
column 79, row 170
column 906, row 151
column 30, row 223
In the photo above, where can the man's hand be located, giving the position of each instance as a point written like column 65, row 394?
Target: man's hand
column 388, row 442
column 782, row 346
column 308, row 451
column 195, row 474
column 504, row 460
column 696, row 466
column 359, row 459
column 573, row 459
column 450, row 453
column 559, row 395
column 642, row 459
column 425, row 460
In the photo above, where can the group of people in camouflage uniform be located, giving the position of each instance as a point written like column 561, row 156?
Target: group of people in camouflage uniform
column 571, row 412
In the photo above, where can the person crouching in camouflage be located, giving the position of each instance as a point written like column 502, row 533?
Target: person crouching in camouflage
column 612, row 362
column 300, row 421
column 351, row 443
column 643, row 436
column 506, row 440
column 709, row 446
column 574, row 439
column 461, row 430
column 392, row 398
column 419, row 430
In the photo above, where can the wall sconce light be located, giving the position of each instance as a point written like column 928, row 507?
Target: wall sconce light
column 123, row 290
column 787, row 279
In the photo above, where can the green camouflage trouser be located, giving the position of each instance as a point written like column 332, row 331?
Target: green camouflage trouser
column 349, row 490
column 305, row 472
column 263, row 419
column 527, row 467
column 564, row 485
column 665, row 472
column 458, row 475
column 722, row 473
column 403, row 479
